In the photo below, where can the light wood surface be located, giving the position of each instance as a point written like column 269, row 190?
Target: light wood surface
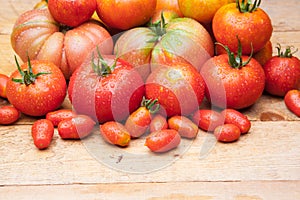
column 263, row 164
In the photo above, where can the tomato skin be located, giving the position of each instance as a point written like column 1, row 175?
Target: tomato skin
column 159, row 122
column 264, row 54
column 235, row 117
column 227, row 133
column 282, row 75
column 126, row 14
column 185, row 127
column 255, row 27
column 168, row 5
column 58, row 115
column 77, row 127
column 3, row 81
column 163, row 140
column 107, row 98
column 228, row 87
column 115, row 133
column 292, row 101
column 172, row 85
column 72, row 13
column 9, row 115
column 42, row 132
column 207, row 120
column 44, row 95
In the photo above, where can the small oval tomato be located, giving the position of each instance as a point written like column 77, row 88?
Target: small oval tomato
column 237, row 118
column 58, row 115
column 185, row 127
column 3, row 81
column 36, row 87
column 163, row 140
column 207, row 120
column 282, row 72
column 8, row 115
column 115, row 133
column 292, row 101
column 227, row 133
column 159, row 122
column 42, row 132
column 77, row 127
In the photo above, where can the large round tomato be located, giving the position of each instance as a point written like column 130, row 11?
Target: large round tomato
column 127, row 14
column 108, row 91
column 37, row 35
column 180, row 40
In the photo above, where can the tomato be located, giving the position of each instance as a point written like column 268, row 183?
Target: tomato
column 3, row 81
column 42, row 132
column 37, row 35
column 77, row 127
column 159, row 122
column 233, row 81
column 265, row 54
column 138, row 122
column 282, row 72
column 58, row 115
column 227, row 133
column 36, row 87
column 127, row 14
column 185, row 127
column 72, row 12
column 163, row 140
column 161, row 44
column 9, row 115
column 201, row 10
column 292, row 101
column 207, row 120
column 168, row 5
column 106, row 91
column 247, row 21
column 179, row 89
column 235, row 117
column 115, row 133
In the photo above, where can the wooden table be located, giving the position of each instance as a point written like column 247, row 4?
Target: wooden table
column 263, row 164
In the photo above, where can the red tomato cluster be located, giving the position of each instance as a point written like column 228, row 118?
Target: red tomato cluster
column 149, row 79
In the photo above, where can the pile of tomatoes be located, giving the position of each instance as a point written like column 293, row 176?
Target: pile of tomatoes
column 145, row 70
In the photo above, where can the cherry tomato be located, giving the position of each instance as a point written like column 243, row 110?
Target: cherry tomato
column 8, row 115
column 292, row 101
column 227, row 133
column 235, row 117
column 207, row 119
column 3, row 81
column 58, row 115
column 185, row 127
column 42, row 132
column 115, row 133
column 159, row 122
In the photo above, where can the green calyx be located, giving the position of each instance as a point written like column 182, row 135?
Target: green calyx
column 100, row 67
column 245, row 6
column 159, row 28
column 28, row 77
column 151, row 105
column 287, row 53
column 236, row 61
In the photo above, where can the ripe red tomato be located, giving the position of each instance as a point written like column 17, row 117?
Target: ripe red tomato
column 36, row 87
column 42, row 132
column 227, row 133
column 58, row 115
column 3, row 81
column 249, row 22
column 72, row 12
column 9, row 115
column 179, row 89
column 207, row 120
column 127, row 14
column 115, row 133
column 77, row 127
column 264, row 54
column 37, row 35
column 108, row 91
column 163, row 140
column 158, row 123
column 168, row 5
column 233, row 81
column 292, row 101
column 282, row 72
column 185, row 127
column 237, row 118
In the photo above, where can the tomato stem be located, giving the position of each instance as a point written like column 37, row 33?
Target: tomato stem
column 245, row 7
column 287, row 53
column 101, row 67
column 159, row 28
column 151, row 105
column 28, row 77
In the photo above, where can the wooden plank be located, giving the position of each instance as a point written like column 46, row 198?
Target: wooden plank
column 270, row 151
column 249, row 190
